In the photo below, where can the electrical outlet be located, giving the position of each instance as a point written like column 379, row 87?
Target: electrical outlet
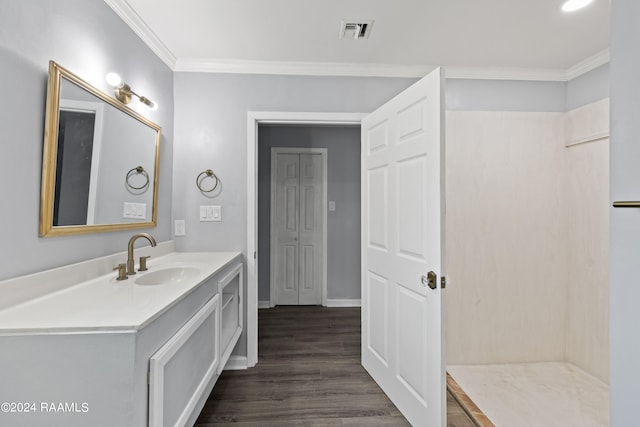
column 179, row 228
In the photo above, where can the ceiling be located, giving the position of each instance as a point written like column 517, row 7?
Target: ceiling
column 491, row 38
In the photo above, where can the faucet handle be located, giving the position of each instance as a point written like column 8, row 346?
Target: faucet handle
column 143, row 263
column 122, row 271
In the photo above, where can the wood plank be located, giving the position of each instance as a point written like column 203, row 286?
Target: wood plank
column 308, row 374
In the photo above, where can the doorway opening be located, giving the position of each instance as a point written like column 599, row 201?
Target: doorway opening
column 262, row 123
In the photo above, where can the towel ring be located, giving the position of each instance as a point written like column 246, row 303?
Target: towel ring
column 137, row 170
column 200, row 178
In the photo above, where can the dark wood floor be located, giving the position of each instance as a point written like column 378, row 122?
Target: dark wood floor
column 308, row 374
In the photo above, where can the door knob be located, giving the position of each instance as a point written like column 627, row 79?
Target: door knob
column 430, row 280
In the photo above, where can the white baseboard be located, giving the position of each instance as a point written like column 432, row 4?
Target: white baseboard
column 343, row 303
column 330, row 303
column 236, row 363
column 264, row 304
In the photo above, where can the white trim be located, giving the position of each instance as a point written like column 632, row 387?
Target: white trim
column 253, row 119
column 137, row 24
column 236, row 66
column 323, row 206
column 236, row 363
column 344, row 303
column 488, row 73
column 590, row 63
column 387, row 70
column 97, row 108
column 264, row 305
column 530, row 74
column 225, row 353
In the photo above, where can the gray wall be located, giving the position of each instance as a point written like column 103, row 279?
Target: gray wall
column 514, row 95
column 211, row 132
column 589, row 87
column 343, row 187
column 624, row 256
column 89, row 39
column 505, row 95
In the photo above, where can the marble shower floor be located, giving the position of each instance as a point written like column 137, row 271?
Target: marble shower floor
column 552, row 394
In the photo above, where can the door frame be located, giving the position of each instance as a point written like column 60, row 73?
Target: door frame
column 97, row 109
column 323, row 206
column 254, row 118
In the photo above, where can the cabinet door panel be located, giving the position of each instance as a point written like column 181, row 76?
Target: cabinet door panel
column 181, row 369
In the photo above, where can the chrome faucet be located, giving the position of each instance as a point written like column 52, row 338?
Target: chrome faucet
column 131, row 269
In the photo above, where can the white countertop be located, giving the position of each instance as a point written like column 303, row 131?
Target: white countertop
column 105, row 304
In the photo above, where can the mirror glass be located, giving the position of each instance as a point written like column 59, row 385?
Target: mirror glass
column 100, row 161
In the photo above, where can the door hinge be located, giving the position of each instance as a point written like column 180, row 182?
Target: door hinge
column 255, row 255
column 443, row 282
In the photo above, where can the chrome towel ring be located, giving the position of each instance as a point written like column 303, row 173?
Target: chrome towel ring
column 206, row 174
column 138, row 170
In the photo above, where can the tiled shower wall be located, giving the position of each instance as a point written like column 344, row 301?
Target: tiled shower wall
column 587, row 335
column 526, row 239
column 506, row 242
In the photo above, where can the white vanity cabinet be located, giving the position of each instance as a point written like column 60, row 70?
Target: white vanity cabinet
column 183, row 371
column 112, row 372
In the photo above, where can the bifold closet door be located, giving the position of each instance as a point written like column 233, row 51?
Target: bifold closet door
column 296, row 222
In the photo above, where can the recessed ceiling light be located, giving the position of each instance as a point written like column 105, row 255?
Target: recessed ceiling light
column 571, row 5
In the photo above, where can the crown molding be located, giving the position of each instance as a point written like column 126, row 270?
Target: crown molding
column 589, row 64
column 387, row 70
column 301, row 68
column 490, row 73
column 541, row 74
column 232, row 66
column 133, row 20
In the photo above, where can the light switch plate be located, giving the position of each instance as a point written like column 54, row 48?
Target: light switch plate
column 332, row 206
column 210, row 213
column 134, row 210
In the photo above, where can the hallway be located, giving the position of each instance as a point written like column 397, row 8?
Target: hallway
column 308, row 374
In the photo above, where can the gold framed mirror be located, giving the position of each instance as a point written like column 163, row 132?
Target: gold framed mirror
column 100, row 161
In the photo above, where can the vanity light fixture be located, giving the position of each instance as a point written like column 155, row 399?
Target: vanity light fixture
column 573, row 5
column 123, row 91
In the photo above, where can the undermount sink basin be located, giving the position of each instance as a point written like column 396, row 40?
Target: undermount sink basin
column 167, row 275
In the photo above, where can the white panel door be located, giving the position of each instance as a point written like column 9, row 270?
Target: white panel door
column 310, row 230
column 402, row 211
column 297, row 227
column 284, row 226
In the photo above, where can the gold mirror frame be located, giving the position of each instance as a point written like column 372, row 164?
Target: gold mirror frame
column 50, row 154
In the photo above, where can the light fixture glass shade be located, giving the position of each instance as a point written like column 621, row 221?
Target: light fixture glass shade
column 571, row 5
column 149, row 103
column 113, row 79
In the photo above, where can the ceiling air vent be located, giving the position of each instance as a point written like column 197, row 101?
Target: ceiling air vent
column 355, row 29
